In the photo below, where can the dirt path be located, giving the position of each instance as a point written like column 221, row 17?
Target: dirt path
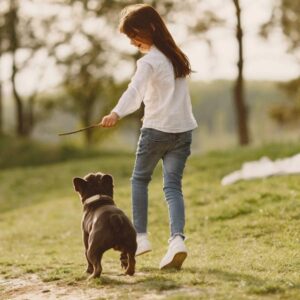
column 30, row 287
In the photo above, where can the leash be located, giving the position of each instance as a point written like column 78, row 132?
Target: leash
column 79, row 130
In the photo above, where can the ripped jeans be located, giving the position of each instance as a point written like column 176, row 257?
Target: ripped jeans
column 173, row 149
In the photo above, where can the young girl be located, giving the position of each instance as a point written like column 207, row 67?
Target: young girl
column 159, row 82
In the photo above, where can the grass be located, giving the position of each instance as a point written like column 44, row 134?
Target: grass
column 243, row 239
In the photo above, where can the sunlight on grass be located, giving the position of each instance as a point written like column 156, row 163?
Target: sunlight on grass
column 243, row 239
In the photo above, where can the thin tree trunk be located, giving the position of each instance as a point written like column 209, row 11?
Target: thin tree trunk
column 20, row 128
column 30, row 120
column 239, row 97
column 19, row 104
column 86, row 120
column 1, row 109
column 1, row 95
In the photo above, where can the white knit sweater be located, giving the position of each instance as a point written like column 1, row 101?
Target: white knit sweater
column 167, row 102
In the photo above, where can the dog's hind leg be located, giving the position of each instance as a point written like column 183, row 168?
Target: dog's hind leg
column 131, row 264
column 89, row 268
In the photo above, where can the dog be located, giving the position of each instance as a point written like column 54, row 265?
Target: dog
column 104, row 225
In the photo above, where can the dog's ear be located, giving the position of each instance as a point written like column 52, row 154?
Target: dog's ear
column 79, row 184
column 108, row 186
column 107, row 180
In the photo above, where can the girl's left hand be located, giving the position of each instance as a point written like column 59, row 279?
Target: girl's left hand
column 109, row 120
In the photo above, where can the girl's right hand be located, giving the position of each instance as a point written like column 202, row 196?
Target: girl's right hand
column 109, row 120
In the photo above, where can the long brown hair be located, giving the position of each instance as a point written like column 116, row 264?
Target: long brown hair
column 142, row 21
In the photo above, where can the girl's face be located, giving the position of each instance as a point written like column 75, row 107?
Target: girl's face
column 142, row 45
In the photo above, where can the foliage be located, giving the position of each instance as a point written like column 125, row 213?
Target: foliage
column 212, row 107
column 83, row 54
column 285, row 16
column 214, row 111
column 288, row 112
column 25, row 152
column 19, row 36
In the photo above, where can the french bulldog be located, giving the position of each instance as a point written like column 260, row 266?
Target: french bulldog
column 104, row 225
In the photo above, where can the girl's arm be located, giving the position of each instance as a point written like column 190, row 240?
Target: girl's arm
column 132, row 98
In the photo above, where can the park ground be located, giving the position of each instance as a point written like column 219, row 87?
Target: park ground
column 243, row 239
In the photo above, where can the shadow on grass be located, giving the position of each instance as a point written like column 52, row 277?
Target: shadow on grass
column 147, row 279
column 231, row 276
column 148, row 282
column 191, row 270
column 253, row 284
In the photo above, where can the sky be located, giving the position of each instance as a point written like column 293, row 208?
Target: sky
column 264, row 59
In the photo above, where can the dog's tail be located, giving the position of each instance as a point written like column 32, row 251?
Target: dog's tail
column 116, row 222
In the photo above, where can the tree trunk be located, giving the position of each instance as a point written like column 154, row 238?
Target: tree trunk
column 86, row 120
column 29, row 115
column 88, row 137
column 20, row 127
column 1, row 98
column 239, row 97
column 1, row 110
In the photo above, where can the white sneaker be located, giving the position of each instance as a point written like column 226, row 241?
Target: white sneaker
column 176, row 254
column 143, row 244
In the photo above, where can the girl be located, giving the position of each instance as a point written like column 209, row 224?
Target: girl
column 159, row 82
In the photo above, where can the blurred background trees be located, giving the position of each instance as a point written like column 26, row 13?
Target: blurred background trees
column 285, row 18
column 20, row 41
column 78, row 38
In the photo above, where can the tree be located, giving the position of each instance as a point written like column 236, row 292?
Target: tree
column 201, row 24
column 85, row 58
column 288, row 111
column 285, row 17
column 1, row 99
column 18, row 34
column 239, row 95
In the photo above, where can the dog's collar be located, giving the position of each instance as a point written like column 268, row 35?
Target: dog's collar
column 92, row 199
column 95, row 198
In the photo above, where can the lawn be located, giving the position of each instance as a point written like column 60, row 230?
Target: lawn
column 243, row 239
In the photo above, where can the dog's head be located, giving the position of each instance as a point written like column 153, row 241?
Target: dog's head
column 93, row 184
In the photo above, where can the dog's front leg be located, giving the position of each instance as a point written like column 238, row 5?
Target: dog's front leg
column 90, row 268
column 131, row 264
column 124, row 260
column 95, row 257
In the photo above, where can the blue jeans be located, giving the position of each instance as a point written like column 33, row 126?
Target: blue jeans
column 173, row 149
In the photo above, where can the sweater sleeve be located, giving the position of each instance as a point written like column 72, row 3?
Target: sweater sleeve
column 132, row 98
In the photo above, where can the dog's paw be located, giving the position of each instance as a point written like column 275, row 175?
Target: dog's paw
column 124, row 264
column 93, row 276
column 89, row 271
column 129, row 272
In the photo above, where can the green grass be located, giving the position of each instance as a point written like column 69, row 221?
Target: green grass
column 243, row 239
column 17, row 152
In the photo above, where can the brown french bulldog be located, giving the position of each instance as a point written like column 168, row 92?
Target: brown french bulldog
column 104, row 225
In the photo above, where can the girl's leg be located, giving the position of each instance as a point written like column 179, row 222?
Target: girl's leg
column 145, row 162
column 173, row 167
